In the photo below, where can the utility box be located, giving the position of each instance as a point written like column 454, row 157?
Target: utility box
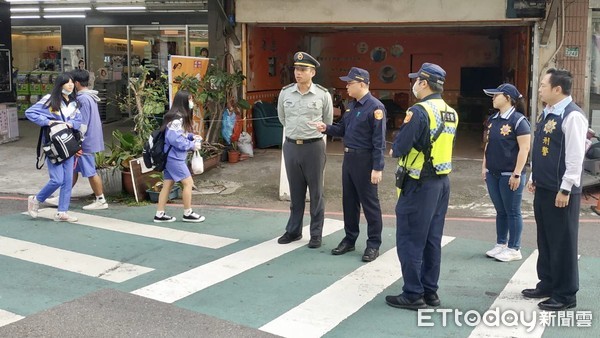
column 9, row 123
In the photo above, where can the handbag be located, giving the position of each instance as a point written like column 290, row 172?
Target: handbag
column 197, row 163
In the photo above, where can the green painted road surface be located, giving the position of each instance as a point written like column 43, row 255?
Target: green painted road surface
column 230, row 267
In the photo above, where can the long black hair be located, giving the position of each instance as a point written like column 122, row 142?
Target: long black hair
column 180, row 110
column 56, row 96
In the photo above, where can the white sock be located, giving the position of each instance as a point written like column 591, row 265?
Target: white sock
column 187, row 212
column 100, row 199
column 160, row 213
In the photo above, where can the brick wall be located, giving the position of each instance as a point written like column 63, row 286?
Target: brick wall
column 576, row 36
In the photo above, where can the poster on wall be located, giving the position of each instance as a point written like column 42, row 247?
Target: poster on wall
column 5, row 71
column 190, row 66
column 73, row 57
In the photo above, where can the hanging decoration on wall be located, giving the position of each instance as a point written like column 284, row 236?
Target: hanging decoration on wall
column 387, row 74
column 378, row 54
column 396, row 50
column 362, row 47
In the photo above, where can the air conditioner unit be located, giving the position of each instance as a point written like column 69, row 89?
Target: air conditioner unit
column 526, row 8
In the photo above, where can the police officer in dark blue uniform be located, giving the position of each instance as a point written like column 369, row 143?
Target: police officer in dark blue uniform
column 363, row 129
column 424, row 148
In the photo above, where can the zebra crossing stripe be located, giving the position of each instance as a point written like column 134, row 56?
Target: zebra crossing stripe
column 325, row 310
column 180, row 286
column 8, row 317
column 511, row 299
column 146, row 230
column 106, row 269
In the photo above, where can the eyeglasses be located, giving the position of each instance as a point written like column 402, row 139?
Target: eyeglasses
column 351, row 83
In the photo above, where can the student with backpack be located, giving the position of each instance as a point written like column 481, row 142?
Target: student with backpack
column 93, row 140
column 59, row 107
column 179, row 139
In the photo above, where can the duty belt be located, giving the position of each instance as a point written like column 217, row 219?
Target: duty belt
column 358, row 151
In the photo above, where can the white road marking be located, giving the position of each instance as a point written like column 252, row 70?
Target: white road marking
column 325, row 310
column 184, row 284
column 511, row 299
column 146, row 230
column 107, row 269
column 8, row 317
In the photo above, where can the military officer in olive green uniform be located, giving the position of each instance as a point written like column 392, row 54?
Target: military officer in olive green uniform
column 300, row 105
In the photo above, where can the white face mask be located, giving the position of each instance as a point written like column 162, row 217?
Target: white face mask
column 415, row 91
column 66, row 92
column 191, row 104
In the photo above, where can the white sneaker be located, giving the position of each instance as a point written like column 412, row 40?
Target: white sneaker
column 495, row 250
column 32, row 206
column 64, row 217
column 52, row 201
column 508, row 255
column 96, row 205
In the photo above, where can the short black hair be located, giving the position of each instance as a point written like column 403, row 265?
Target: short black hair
column 562, row 78
column 434, row 86
column 82, row 76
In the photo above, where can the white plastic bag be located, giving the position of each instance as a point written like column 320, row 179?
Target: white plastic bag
column 245, row 144
column 197, row 163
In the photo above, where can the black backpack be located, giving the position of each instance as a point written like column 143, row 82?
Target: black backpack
column 61, row 143
column 154, row 155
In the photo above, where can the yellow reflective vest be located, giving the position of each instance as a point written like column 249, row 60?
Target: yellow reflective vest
column 441, row 152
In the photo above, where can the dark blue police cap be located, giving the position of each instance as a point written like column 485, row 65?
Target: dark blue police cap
column 356, row 74
column 303, row 59
column 505, row 89
column 430, row 72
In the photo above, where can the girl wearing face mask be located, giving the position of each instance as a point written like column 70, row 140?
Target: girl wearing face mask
column 180, row 139
column 60, row 106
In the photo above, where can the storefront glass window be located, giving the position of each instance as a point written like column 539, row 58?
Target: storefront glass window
column 160, row 42
column 36, row 48
column 198, row 36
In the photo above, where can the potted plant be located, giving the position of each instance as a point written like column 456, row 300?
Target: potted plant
column 112, row 181
column 233, row 154
column 155, row 188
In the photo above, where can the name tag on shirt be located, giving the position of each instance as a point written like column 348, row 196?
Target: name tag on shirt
column 448, row 116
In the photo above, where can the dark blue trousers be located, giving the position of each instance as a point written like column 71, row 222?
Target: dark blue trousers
column 358, row 190
column 420, row 215
column 557, row 230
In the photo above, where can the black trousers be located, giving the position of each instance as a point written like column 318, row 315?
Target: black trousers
column 357, row 191
column 557, row 229
column 304, row 165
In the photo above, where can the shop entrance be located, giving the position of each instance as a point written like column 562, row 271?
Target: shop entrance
column 473, row 57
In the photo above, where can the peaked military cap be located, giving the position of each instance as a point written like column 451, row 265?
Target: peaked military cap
column 430, row 72
column 303, row 59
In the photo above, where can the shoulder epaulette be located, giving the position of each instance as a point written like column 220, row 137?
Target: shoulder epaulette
column 288, row 86
column 323, row 88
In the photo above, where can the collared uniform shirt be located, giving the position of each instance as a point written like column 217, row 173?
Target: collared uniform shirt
column 361, row 128
column 574, row 127
column 503, row 147
column 295, row 110
column 415, row 132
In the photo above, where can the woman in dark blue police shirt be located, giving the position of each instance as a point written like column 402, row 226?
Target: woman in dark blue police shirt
column 508, row 142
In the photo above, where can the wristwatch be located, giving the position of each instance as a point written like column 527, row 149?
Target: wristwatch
column 565, row 192
column 516, row 175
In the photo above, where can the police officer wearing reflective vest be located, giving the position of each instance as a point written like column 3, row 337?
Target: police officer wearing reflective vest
column 363, row 130
column 300, row 105
column 556, row 166
column 424, row 148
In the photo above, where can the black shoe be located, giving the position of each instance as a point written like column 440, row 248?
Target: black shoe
column 193, row 217
column 342, row 248
column 164, row 219
column 289, row 238
column 536, row 293
column 432, row 299
column 315, row 242
column 370, row 255
column 553, row 305
column 402, row 302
